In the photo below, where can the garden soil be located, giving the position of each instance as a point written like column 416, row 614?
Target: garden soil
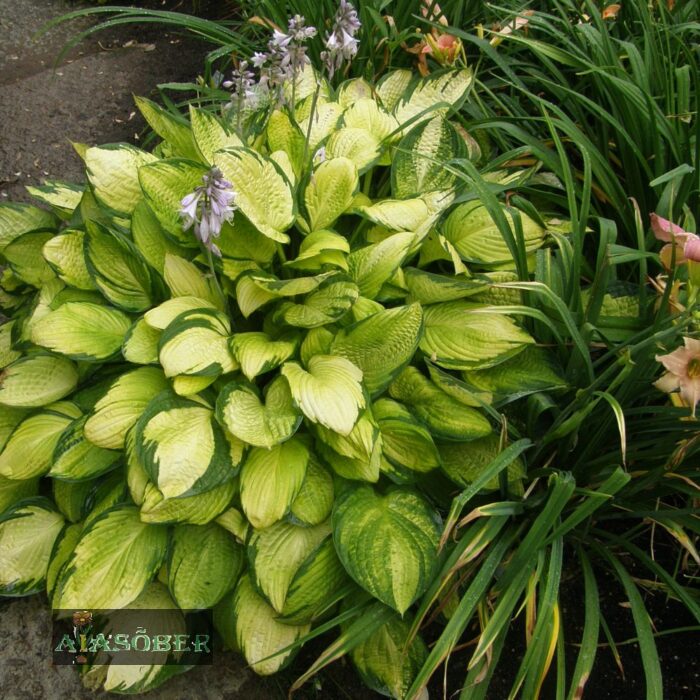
column 88, row 99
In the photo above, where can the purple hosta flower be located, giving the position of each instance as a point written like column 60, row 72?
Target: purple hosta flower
column 242, row 86
column 341, row 44
column 320, row 155
column 208, row 207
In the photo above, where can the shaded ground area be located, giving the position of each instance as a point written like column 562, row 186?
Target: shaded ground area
column 88, row 98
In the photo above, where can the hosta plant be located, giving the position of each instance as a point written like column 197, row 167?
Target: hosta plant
column 235, row 365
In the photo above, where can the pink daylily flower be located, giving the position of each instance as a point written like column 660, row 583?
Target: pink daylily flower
column 687, row 244
column 683, row 372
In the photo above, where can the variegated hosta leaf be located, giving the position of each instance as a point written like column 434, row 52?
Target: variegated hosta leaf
column 354, row 468
column 392, row 87
column 164, row 184
column 239, row 239
column 421, row 156
column 71, row 497
column 359, row 443
column 319, row 249
column 150, row 238
column 373, row 265
column 113, row 173
column 433, row 94
column 259, row 423
column 140, row 346
column 277, row 553
column 253, row 174
column 352, row 90
column 63, row 197
column 65, row 254
column 74, row 458
column 62, row 549
column 367, row 114
column 185, row 279
column 196, row 510
column 463, row 462
column 27, row 535
column 24, row 256
column 530, row 371
column 284, row 135
column 117, row 269
column 325, row 120
column 13, row 491
column 119, row 409
column 245, row 620
column 196, row 343
column 258, row 353
column 445, row 416
column 124, row 564
column 386, row 661
column 204, row 564
column 314, row 501
column 459, row 336
column 37, row 380
column 358, row 145
column 329, row 393
column 7, row 352
column 430, row 288
column 398, row 214
column 271, row 479
column 388, row 544
column 182, row 449
column 29, row 450
column 407, row 445
column 327, row 304
column 477, row 238
column 161, row 316
column 209, row 133
column 330, row 192
column 82, row 331
column 17, row 219
column 177, row 134
column 382, row 344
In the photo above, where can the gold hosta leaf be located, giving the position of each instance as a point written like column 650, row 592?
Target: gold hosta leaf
column 373, row 265
column 65, row 254
column 258, row 353
column 182, row 449
column 392, row 87
column 140, row 346
column 17, row 219
column 358, row 145
column 406, row 443
column 119, row 409
column 388, row 544
column 196, row 343
column 204, row 564
column 387, row 662
column 113, row 172
column 445, row 416
column 253, row 174
column 382, row 344
column 477, row 238
column 177, row 134
column 271, row 479
column 259, row 423
column 184, row 279
column 256, row 631
column 463, row 462
column 161, row 316
column 29, row 450
column 75, row 459
column 277, row 553
column 209, row 133
column 27, row 536
column 459, row 336
column 329, row 393
column 37, row 380
column 164, row 184
column 314, row 502
column 330, row 192
column 82, row 331
column 123, row 564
